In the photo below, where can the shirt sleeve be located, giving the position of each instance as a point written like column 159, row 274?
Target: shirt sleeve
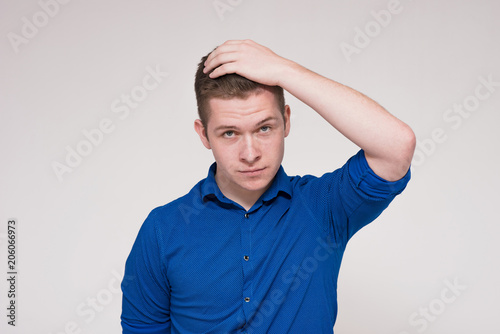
column 372, row 185
column 365, row 195
column 345, row 200
column 146, row 293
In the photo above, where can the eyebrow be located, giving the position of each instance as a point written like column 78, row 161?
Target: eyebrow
column 232, row 127
column 265, row 120
column 225, row 127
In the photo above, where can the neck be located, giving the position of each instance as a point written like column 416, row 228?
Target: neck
column 245, row 198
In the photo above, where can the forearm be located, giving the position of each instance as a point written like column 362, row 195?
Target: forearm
column 387, row 141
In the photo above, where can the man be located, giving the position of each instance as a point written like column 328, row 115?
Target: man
column 250, row 249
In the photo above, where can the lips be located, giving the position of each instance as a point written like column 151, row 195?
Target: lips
column 254, row 171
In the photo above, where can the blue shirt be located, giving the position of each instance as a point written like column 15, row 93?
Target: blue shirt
column 203, row 264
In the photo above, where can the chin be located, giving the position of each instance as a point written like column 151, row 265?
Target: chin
column 257, row 185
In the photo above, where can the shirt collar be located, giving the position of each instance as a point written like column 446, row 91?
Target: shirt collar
column 281, row 183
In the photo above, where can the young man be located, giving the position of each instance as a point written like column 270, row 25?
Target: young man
column 250, row 249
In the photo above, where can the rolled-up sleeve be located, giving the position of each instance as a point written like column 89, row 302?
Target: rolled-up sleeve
column 345, row 200
column 367, row 195
column 365, row 180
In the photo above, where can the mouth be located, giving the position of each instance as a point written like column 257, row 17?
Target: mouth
column 252, row 172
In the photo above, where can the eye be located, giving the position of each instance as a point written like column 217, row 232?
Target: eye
column 265, row 128
column 228, row 134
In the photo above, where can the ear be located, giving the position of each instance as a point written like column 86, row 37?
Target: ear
column 287, row 120
column 200, row 129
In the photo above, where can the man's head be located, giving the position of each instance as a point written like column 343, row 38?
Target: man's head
column 227, row 87
column 245, row 124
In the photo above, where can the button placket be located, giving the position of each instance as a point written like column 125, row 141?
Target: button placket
column 246, row 247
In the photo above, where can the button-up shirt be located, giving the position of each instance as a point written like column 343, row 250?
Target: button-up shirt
column 203, row 264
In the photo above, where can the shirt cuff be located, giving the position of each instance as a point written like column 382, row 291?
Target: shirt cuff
column 370, row 184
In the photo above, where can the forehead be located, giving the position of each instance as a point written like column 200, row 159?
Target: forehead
column 243, row 111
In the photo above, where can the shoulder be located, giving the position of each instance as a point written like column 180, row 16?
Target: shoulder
column 175, row 213
column 327, row 179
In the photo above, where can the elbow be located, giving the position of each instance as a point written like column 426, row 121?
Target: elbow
column 397, row 154
column 407, row 144
column 411, row 143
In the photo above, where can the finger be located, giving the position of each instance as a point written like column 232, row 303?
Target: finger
column 221, row 49
column 219, row 59
column 227, row 46
column 233, row 42
column 224, row 69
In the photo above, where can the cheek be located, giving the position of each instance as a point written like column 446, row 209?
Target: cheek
column 223, row 154
column 277, row 144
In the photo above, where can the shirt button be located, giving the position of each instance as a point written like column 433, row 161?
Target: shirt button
column 246, row 257
column 247, row 299
column 247, row 215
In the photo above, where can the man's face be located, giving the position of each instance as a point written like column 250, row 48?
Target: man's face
column 247, row 138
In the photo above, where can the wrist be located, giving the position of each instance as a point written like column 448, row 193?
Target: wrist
column 289, row 72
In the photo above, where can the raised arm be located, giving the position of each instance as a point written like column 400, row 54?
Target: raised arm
column 388, row 142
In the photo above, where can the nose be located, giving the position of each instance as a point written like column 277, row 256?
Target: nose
column 250, row 149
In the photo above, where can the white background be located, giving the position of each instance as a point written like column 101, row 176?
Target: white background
column 74, row 233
